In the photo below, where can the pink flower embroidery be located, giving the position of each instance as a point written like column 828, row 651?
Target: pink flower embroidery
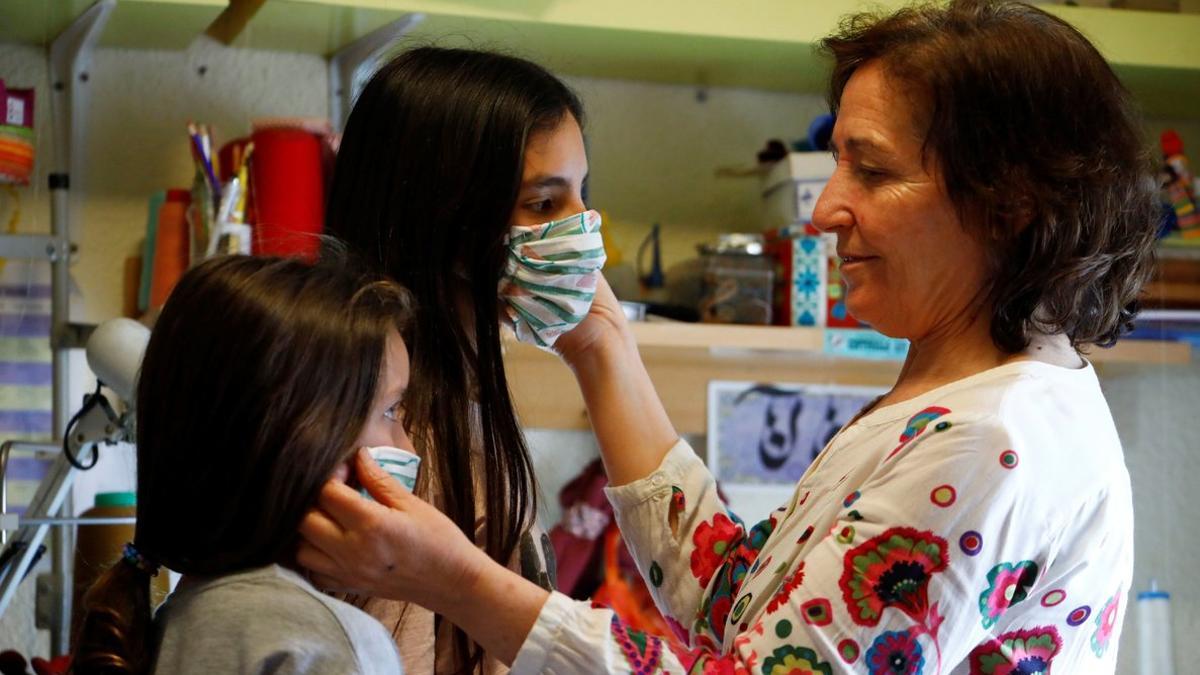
column 1106, row 622
column 1008, row 584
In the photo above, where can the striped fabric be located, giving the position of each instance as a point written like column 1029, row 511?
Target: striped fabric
column 550, row 280
column 26, row 397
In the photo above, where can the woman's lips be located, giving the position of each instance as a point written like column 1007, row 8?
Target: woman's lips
column 856, row 259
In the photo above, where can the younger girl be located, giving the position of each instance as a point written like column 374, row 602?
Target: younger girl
column 261, row 378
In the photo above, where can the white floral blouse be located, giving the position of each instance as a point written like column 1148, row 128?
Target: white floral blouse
column 984, row 527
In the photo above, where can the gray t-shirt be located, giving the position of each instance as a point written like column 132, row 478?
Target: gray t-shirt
column 267, row 620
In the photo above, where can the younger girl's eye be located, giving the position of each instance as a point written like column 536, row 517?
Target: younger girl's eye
column 395, row 412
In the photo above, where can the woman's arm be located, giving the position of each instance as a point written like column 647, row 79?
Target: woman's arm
column 881, row 584
column 629, row 420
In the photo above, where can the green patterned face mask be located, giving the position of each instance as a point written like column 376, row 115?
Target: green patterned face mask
column 550, row 280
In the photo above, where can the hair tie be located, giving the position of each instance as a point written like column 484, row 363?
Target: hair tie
column 136, row 558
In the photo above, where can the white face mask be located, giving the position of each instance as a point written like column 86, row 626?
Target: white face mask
column 550, row 279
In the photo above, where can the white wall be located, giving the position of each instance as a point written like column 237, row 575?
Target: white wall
column 654, row 150
column 1155, row 411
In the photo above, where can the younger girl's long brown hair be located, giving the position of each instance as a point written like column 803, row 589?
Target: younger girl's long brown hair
column 258, row 377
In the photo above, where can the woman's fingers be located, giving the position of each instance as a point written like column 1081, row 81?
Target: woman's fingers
column 320, row 531
column 315, row 560
column 345, row 506
column 377, row 482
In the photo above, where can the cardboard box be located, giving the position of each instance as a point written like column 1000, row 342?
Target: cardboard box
column 792, row 186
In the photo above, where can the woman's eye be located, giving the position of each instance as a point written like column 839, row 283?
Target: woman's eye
column 870, row 173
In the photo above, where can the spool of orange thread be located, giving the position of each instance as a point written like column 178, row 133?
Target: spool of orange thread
column 171, row 246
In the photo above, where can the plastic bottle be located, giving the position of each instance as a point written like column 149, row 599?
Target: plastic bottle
column 98, row 547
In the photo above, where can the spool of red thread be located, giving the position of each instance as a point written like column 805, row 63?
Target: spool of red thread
column 289, row 192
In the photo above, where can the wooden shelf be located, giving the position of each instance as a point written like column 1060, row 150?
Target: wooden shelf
column 683, row 358
column 1178, row 252
column 695, row 42
column 1171, row 294
column 780, row 341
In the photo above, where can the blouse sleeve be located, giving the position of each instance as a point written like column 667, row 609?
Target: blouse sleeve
column 878, row 585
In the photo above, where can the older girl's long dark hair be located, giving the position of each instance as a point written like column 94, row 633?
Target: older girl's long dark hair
column 426, row 180
column 259, row 375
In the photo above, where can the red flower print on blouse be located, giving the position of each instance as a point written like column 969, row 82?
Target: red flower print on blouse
column 725, row 665
column 792, row 583
column 894, row 570
column 1021, row 652
column 713, row 542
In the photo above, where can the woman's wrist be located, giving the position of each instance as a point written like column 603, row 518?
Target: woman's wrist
column 496, row 607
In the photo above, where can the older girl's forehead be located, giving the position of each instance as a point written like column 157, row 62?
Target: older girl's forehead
column 557, row 152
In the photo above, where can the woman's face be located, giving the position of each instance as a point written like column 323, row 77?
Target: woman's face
column 910, row 268
column 556, row 168
column 385, row 423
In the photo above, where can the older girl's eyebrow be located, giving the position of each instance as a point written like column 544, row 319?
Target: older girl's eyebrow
column 545, row 181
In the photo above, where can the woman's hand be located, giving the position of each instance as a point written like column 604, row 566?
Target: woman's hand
column 402, row 548
column 397, row 547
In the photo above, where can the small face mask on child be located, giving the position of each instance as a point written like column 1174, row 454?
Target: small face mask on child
column 550, row 279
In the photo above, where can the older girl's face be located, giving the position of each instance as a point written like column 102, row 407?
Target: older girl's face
column 911, row 270
column 556, row 170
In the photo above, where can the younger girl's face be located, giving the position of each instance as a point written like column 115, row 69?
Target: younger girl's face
column 556, row 170
column 385, row 423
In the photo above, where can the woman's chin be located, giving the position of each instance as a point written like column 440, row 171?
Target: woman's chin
column 871, row 312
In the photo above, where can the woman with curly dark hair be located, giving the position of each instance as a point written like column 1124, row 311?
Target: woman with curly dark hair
column 993, row 203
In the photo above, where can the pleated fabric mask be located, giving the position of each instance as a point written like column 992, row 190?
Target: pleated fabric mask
column 550, row 278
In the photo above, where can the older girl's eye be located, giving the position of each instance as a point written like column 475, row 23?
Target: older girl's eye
column 541, row 206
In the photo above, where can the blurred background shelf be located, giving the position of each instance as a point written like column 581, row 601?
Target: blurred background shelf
column 683, row 358
column 694, row 42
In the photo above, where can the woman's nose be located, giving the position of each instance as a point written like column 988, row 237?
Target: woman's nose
column 832, row 210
